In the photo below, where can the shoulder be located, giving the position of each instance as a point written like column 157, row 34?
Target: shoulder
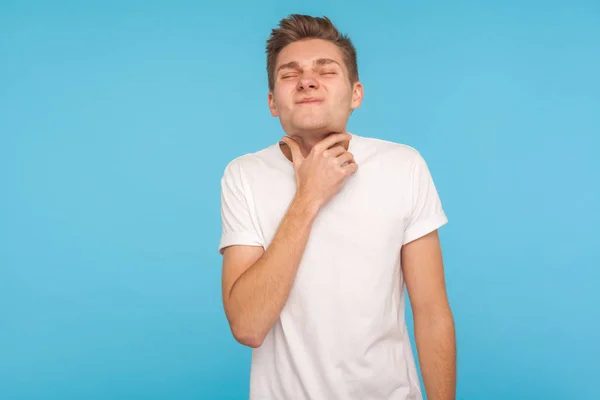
column 247, row 171
column 388, row 145
column 248, row 162
column 389, row 152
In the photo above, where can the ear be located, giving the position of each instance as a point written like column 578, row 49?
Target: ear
column 272, row 107
column 357, row 95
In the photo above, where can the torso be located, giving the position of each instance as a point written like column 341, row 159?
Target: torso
column 342, row 333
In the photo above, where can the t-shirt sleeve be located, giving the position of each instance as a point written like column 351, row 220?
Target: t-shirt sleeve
column 427, row 213
column 236, row 220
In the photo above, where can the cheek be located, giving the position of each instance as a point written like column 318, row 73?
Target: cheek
column 343, row 96
column 282, row 99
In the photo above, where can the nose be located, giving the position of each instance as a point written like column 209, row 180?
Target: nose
column 307, row 81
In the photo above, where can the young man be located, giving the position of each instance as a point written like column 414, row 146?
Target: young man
column 321, row 233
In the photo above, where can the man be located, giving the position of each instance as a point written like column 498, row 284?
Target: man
column 321, row 233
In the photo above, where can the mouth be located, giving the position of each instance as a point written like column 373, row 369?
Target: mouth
column 310, row 100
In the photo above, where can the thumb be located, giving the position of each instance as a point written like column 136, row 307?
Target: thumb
column 297, row 156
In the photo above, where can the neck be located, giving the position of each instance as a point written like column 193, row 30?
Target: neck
column 307, row 143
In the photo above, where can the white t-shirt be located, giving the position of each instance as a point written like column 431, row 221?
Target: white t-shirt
column 342, row 333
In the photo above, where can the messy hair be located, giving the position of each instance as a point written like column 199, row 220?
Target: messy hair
column 299, row 27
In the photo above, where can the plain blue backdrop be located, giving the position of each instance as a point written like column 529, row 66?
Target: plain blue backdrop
column 118, row 118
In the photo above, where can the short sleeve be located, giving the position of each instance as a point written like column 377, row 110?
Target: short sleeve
column 236, row 220
column 427, row 213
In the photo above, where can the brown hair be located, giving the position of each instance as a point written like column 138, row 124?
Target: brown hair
column 298, row 27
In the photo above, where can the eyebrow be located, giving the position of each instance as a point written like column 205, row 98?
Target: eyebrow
column 296, row 66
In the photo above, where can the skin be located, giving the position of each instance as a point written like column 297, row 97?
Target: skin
column 423, row 270
column 256, row 283
column 313, row 69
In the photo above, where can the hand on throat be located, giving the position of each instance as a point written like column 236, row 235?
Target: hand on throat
column 306, row 144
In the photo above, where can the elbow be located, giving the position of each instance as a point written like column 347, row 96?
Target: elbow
column 249, row 341
column 247, row 337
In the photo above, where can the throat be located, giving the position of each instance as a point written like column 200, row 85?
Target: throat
column 307, row 144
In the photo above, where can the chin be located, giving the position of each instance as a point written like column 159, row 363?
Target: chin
column 310, row 124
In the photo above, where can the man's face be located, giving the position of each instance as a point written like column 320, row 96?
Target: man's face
column 312, row 94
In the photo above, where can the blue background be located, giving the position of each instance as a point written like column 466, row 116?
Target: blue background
column 117, row 119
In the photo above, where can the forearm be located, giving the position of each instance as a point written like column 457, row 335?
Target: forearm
column 436, row 346
column 259, row 294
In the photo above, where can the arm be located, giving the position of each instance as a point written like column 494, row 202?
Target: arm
column 433, row 321
column 256, row 284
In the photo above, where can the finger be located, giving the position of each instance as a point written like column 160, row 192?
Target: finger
column 294, row 148
column 329, row 141
column 335, row 151
column 350, row 168
column 344, row 158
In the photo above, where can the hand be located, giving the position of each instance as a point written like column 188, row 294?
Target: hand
column 320, row 175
